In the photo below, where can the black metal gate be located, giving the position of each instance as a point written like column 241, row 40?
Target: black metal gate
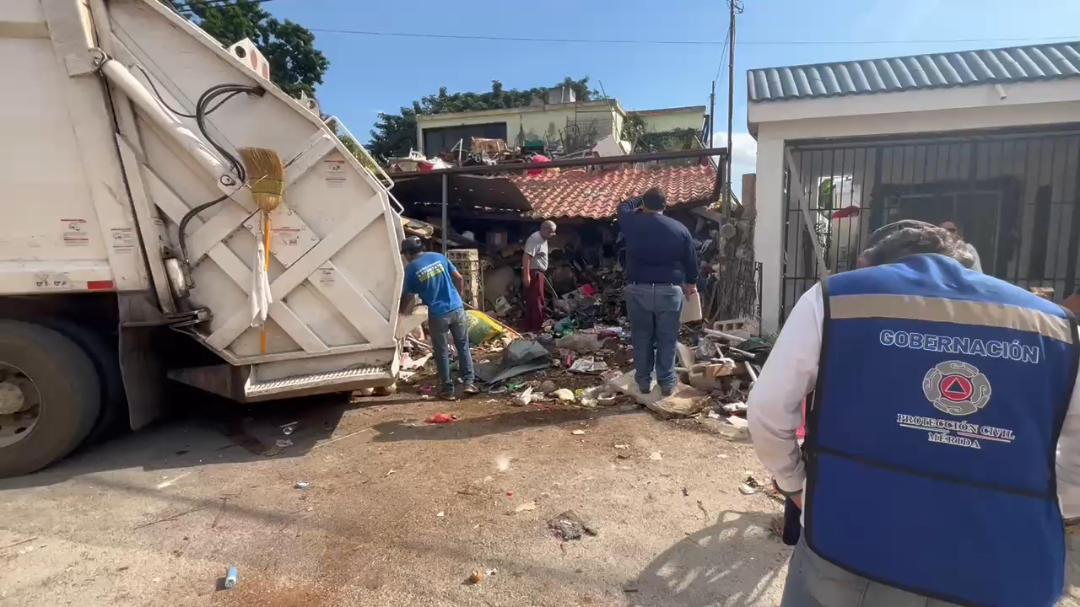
column 1013, row 196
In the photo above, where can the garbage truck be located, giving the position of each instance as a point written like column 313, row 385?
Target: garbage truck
column 131, row 239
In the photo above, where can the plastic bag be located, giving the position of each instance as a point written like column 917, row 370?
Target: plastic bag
column 482, row 327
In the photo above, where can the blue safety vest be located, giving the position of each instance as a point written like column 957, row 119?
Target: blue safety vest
column 932, row 433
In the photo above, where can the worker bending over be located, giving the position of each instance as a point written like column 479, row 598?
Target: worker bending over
column 429, row 275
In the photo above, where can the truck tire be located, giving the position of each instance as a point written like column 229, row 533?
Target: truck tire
column 113, row 416
column 69, row 391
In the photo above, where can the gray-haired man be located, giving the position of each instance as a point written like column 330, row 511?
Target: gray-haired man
column 533, row 265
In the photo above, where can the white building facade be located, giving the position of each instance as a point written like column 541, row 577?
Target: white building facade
column 987, row 139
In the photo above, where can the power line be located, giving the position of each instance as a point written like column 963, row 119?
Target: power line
column 681, row 42
column 723, row 54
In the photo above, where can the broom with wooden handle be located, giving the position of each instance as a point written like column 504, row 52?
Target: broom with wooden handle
column 266, row 178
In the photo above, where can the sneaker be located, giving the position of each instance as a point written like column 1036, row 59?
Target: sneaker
column 666, row 391
column 644, row 389
column 470, row 389
column 448, row 395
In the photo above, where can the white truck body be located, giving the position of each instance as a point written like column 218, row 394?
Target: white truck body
column 94, row 183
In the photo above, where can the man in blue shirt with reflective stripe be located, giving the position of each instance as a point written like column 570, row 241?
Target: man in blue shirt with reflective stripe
column 437, row 282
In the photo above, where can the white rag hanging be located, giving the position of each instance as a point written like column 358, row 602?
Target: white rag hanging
column 259, row 298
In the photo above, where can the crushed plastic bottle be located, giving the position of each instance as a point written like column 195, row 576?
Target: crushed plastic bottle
column 230, row 577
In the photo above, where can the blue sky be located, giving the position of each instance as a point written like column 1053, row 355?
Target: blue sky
column 369, row 74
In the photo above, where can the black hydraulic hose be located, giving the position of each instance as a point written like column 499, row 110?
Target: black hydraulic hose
column 187, row 219
column 208, row 96
column 200, row 119
column 161, row 99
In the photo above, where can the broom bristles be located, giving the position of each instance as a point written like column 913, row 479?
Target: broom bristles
column 266, row 176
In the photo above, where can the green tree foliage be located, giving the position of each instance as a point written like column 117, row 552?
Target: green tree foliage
column 395, row 134
column 295, row 64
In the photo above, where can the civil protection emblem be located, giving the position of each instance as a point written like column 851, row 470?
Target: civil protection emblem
column 956, row 388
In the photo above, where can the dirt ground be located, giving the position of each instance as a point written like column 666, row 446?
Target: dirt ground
column 398, row 512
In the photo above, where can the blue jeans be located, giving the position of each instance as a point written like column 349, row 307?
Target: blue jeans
column 655, row 312
column 454, row 323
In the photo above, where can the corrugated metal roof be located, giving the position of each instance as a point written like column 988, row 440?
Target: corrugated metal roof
column 919, row 72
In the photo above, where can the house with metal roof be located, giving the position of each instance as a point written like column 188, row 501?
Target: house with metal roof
column 987, row 139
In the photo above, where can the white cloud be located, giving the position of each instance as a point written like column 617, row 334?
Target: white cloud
column 743, row 156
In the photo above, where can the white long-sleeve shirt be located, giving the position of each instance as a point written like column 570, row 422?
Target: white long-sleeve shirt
column 775, row 406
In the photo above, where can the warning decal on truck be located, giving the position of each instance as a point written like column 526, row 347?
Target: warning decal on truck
column 326, row 275
column 57, row 280
column 75, row 232
column 334, row 173
column 123, row 240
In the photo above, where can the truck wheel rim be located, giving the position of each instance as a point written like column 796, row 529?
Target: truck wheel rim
column 20, row 405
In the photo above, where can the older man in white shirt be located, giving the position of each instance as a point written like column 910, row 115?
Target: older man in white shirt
column 938, row 397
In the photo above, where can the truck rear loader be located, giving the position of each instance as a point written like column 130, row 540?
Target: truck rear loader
column 129, row 233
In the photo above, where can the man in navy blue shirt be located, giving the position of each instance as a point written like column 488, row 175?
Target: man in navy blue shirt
column 661, row 270
column 429, row 275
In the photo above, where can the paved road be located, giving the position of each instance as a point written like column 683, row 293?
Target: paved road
column 398, row 513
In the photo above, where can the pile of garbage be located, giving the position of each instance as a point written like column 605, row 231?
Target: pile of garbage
column 716, row 369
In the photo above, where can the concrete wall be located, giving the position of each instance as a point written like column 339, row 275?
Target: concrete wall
column 545, row 123
column 971, row 108
column 669, row 120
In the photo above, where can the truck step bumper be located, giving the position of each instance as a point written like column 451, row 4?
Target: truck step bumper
column 243, row 385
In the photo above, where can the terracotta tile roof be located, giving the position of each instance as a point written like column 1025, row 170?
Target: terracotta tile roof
column 594, row 195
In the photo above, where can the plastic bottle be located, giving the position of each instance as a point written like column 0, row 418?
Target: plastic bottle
column 230, row 577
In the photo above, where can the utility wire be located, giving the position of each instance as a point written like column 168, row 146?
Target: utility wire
column 682, row 42
column 723, row 54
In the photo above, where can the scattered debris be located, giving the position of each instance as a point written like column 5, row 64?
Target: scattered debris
column 686, row 492
column 588, row 364
column 548, row 386
column 441, row 418
column 440, row 514
column 288, row 428
column 526, row 397
column 582, row 343
column 231, row 577
column 737, row 407
column 170, row 518
column 622, row 446
column 283, row 442
column 656, row 456
column 570, row 526
column 302, row 485
column 750, row 485
column 19, row 543
column 564, row 395
column 476, row 577
column 578, row 432
column 526, row 507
